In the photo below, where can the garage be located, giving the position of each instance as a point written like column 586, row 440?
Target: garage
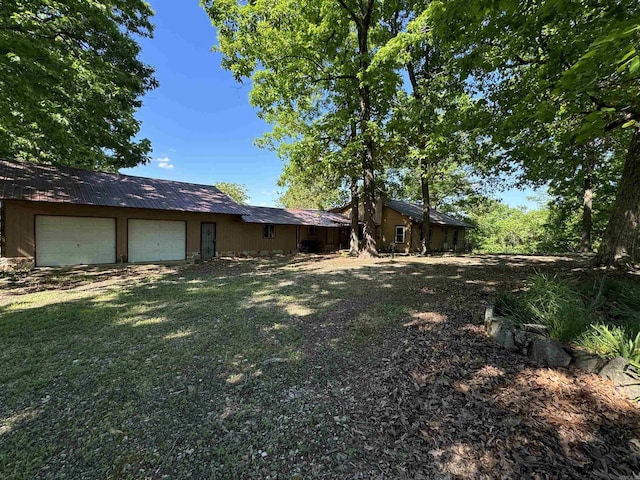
column 62, row 240
column 156, row 240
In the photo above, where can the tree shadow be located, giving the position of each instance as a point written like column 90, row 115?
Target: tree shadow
column 239, row 369
column 456, row 405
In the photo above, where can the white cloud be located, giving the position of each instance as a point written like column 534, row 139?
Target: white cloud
column 164, row 162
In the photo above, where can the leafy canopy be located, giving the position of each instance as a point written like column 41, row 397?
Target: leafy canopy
column 236, row 191
column 71, row 81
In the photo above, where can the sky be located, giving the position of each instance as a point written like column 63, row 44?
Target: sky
column 199, row 120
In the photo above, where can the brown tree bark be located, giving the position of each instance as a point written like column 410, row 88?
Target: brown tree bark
column 426, row 210
column 425, row 247
column 619, row 246
column 587, row 198
column 354, row 248
column 363, row 25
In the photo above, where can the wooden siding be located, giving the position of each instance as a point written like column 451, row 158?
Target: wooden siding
column 387, row 231
column 328, row 238
column 233, row 236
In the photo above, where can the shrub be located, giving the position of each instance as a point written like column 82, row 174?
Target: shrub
column 551, row 302
column 612, row 341
column 624, row 297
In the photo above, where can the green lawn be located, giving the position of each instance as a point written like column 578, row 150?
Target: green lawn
column 196, row 372
column 234, row 369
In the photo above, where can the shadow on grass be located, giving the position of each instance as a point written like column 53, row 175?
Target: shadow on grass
column 233, row 369
column 455, row 405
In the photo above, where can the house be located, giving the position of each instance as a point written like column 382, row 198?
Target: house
column 67, row 216
column 400, row 223
column 315, row 229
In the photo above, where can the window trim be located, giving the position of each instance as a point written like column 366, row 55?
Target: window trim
column 404, row 234
column 269, row 230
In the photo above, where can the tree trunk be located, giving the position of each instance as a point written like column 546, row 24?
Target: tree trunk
column 369, row 248
column 587, row 198
column 619, row 246
column 354, row 248
column 426, row 209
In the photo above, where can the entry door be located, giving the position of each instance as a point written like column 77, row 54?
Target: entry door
column 208, row 240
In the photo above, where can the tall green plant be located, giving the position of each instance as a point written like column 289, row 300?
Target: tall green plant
column 612, row 341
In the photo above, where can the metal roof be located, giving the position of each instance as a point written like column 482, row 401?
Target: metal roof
column 414, row 212
column 295, row 216
column 47, row 183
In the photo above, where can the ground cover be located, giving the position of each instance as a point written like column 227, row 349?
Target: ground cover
column 293, row 367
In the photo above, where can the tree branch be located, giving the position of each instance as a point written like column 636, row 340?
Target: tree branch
column 350, row 12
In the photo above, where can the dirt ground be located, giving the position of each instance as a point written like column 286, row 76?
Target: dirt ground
column 396, row 377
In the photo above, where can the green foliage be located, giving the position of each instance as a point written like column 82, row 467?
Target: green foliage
column 554, row 75
column 549, row 301
column 612, row 341
column 236, row 191
column 571, row 316
column 314, row 196
column 503, row 229
column 451, row 189
column 71, row 81
column 623, row 299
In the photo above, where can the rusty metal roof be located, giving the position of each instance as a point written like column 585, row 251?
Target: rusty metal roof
column 294, row 216
column 46, row 183
column 414, row 212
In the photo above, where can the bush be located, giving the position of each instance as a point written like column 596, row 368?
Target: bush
column 612, row 341
column 624, row 300
column 551, row 302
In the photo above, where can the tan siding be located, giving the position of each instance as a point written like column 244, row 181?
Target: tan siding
column 250, row 238
column 391, row 218
column 233, row 236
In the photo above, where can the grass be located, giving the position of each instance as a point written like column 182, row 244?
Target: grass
column 233, row 369
column 607, row 323
column 551, row 302
column 209, row 371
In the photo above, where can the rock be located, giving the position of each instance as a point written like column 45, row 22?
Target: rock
column 524, row 340
column 587, row 361
column 502, row 332
column 488, row 315
column 536, row 328
column 549, row 352
column 625, row 378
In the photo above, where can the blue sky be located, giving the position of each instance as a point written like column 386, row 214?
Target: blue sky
column 199, row 120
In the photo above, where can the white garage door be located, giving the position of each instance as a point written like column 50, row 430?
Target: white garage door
column 156, row 240
column 74, row 240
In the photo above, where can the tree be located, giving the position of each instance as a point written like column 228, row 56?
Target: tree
column 499, row 228
column 564, row 71
column 71, row 82
column 313, row 64
column 236, row 191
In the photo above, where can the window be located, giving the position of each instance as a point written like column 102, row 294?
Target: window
column 455, row 237
column 445, row 230
column 399, row 238
column 312, row 230
column 269, row 231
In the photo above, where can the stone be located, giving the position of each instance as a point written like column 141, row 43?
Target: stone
column 488, row 315
column 549, row 352
column 625, row 378
column 502, row 332
column 524, row 339
column 587, row 361
column 536, row 328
